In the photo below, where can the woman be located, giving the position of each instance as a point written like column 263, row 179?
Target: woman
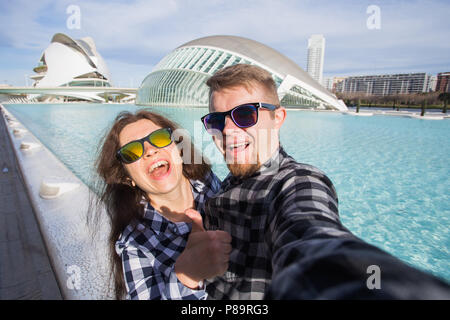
column 147, row 189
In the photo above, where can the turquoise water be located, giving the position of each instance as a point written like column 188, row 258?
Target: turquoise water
column 392, row 174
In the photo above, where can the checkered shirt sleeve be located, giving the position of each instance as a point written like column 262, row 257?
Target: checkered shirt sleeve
column 315, row 257
column 289, row 243
column 249, row 209
column 149, row 249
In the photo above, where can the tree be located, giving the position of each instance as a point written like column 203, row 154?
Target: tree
column 395, row 102
column 424, row 107
column 444, row 97
column 370, row 100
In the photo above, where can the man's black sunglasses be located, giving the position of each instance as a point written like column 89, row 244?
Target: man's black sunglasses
column 243, row 116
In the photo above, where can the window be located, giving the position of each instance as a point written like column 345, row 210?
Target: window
column 238, row 60
column 205, row 59
column 228, row 56
column 197, row 58
column 219, row 55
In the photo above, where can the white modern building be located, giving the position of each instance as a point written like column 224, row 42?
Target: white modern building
column 386, row 84
column 328, row 83
column 179, row 79
column 316, row 53
column 433, row 83
column 71, row 63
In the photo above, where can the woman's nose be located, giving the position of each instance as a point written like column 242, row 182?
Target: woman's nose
column 149, row 150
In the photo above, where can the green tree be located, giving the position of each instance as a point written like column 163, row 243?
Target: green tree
column 395, row 102
column 444, row 97
column 424, row 107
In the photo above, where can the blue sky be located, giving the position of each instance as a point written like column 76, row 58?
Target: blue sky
column 132, row 36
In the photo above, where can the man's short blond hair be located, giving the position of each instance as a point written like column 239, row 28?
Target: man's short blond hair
column 244, row 75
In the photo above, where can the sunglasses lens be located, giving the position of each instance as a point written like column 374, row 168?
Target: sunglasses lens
column 160, row 138
column 245, row 116
column 131, row 152
column 214, row 121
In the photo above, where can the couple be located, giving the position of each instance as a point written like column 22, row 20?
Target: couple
column 270, row 230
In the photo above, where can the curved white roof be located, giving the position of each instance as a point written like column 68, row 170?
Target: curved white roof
column 179, row 78
column 67, row 59
column 261, row 53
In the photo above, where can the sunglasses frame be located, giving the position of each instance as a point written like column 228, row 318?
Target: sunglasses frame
column 142, row 141
column 257, row 105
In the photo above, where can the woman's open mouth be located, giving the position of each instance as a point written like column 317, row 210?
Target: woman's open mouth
column 159, row 169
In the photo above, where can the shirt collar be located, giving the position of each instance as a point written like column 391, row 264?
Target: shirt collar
column 198, row 186
column 159, row 223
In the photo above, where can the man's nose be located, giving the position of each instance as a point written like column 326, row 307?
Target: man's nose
column 229, row 124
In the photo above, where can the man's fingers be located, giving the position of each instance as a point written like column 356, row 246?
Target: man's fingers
column 197, row 221
column 228, row 249
column 222, row 235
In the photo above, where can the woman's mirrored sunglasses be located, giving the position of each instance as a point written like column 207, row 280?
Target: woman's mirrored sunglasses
column 134, row 150
column 243, row 116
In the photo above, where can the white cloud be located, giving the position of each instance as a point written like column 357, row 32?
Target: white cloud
column 20, row 24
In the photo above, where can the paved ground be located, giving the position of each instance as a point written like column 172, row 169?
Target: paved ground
column 25, row 271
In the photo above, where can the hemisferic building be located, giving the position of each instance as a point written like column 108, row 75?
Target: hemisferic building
column 179, row 79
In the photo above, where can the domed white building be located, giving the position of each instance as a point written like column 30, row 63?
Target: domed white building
column 72, row 63
column 179, row 79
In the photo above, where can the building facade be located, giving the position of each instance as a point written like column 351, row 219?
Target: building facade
column 337, row 82
column 327, row 83
column 179, row 79
column 443, row 82
column 382, row 85
column 316, row 54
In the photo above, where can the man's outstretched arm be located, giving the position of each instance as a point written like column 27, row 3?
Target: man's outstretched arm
column 315, row 257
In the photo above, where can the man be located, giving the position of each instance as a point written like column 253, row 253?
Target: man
column 287, row 238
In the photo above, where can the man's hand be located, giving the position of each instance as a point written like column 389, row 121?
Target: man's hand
column 206, row 254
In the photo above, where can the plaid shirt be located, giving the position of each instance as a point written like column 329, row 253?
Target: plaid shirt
column 149, row 249
column 255, row 210
column 288, row 242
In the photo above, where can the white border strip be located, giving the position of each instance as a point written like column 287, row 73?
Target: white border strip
column 81, row 266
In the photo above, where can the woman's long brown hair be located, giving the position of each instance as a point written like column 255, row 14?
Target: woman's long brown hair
column 115, row 193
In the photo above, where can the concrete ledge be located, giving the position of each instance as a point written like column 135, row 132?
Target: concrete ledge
column 81, row 266
column 403, row 114
column 425, row 117
column 359, row 114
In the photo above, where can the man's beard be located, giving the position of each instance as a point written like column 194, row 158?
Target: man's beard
column 244, row 170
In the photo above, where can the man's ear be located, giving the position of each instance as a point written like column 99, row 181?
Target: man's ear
column 280, row 116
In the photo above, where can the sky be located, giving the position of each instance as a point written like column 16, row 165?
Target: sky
column 133, row 36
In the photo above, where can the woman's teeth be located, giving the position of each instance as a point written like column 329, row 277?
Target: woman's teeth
column 157, row 164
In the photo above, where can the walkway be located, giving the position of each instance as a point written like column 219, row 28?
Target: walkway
column 25, row 270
